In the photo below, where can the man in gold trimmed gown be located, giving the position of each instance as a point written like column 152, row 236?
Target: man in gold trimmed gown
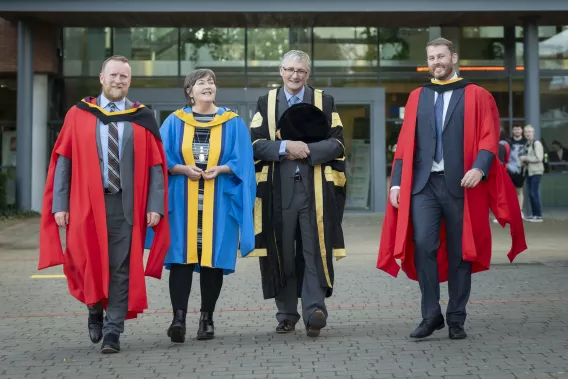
column 299, row 202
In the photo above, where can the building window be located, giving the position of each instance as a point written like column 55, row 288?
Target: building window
column 219, row 49
column 84, row 50
column 552, row 47
column 345, row 51
column 482, row 48
column 265, row 47
column 151, row 51
column 402, row 49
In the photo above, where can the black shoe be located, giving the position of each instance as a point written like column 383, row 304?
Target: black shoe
column 316, row 323
column 206, row 329
column 428, row 326
column 285, row 326
column 176, row 331
column 95, row 326
column 111, row 344
column 457, row 332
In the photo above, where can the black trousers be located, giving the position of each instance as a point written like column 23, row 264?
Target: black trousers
column 181, row 276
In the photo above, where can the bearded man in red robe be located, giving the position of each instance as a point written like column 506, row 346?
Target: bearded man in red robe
column 106, row 184
column 445, row 178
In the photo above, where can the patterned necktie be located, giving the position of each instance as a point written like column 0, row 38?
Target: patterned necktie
column 113, row 155
column 439, row 113
column 294, row 100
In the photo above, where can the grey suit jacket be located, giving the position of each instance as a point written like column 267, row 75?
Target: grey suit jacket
column 62, row 180
column 452, row 142
column 320, row 152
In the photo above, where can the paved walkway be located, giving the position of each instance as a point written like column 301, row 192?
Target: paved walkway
column 517, row 323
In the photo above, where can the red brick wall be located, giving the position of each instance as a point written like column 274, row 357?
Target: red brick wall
column 46, row 40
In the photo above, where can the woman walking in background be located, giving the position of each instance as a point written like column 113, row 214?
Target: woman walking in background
column 534, row 168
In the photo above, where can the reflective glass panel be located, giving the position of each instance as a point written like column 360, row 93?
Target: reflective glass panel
column 151, row 51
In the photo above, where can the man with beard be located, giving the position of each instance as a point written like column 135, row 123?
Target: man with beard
column 300, row 200
column 106, row 184
column 445, row 178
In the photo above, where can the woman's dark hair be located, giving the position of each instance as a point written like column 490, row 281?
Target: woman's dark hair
column 193, row 77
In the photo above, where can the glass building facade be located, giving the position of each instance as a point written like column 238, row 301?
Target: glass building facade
column 343, row 57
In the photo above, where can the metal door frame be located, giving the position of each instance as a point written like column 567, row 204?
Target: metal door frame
column 243, row 101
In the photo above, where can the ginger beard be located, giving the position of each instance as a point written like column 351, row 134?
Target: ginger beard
column 115, row 80
column 441, row 62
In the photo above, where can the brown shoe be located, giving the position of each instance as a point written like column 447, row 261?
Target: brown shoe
column 285, row 326
column 316, row 322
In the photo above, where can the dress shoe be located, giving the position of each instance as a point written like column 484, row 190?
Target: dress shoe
column 111, row 344
column 316, row 323
column 428, row 326
column 457, row 332
column 285, row 326
column 206, row 329
column 176, row 331
column 95, row 326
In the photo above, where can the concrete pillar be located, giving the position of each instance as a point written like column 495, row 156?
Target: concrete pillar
column 39, row 140
column 24, row 117
column 532, row 73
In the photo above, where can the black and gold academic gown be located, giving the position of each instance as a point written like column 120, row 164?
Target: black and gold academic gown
column 326, row 204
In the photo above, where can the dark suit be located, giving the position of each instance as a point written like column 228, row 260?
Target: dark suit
column 298, row 225
column 437, row 196
column 119, row 214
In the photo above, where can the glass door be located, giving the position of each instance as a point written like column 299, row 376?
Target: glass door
column 362, row 111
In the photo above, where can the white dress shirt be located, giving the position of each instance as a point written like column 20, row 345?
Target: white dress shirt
column 447, row 96
column 103, row 129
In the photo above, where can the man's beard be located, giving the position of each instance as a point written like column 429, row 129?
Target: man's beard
column 445, row 74
column 115, row 94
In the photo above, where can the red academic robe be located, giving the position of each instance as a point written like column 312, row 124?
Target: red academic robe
column 481, row 132
column 85, row 262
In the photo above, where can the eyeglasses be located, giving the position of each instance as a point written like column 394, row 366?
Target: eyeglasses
column 290, row 71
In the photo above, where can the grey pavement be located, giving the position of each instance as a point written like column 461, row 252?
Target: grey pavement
column 517, row 320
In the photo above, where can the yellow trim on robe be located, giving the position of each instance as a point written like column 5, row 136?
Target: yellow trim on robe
column 339, row 254
column 272, row 113
column 257, row 215
column 318, row 189
column 336, row 120
column 192, row 196
column 256, row 120
column 263, row 175
column 215, row 141
column 260, row 139
column 254, row 253
column 217, row 120
column 106, row 113
column 338, row 178
column 442, row 82
column 318, row 99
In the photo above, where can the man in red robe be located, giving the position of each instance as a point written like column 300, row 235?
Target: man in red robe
column 106, row 184
column 444, row 180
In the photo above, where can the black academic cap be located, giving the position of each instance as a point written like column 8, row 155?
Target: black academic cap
column 304, row 122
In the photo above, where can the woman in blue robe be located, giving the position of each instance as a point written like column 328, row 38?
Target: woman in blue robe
column 212, row 189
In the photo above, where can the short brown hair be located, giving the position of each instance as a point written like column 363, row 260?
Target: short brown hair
column 118, row 58
column 193, row 77
column 442, row 42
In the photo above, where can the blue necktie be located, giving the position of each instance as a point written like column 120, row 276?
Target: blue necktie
column 294, row 100
column 439, row 114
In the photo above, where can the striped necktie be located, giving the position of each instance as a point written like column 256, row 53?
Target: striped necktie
column 113, row 155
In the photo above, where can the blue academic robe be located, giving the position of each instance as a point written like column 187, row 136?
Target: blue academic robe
column 228, row 199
